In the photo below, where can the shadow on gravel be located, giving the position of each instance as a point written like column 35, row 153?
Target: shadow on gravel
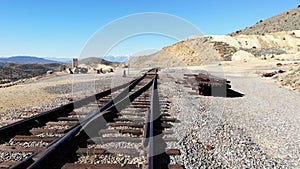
column 232, row 93
column 228, row 93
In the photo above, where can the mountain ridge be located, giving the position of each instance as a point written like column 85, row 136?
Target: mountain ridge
column 112, row 58
column 96, row 60
column 26, row 60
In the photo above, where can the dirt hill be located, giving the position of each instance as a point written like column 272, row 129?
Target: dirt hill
column 286, row 21
column 189, row 52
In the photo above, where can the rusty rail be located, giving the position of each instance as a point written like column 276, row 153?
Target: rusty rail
column 154, row 113
column 40, row 119
column 56, row 151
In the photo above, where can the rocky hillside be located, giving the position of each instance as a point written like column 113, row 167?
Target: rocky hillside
column 286, row 21
column 190, row 52
column 291, row 77
column 204, row 50
column 11, row 72
column 276, row 38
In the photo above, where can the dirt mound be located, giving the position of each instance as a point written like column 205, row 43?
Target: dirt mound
column 242, row 55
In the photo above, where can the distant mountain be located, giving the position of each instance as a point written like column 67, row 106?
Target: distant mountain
column 97, row 60
column 26, row 60
column 115, row 58
column 63, row 60
column 286, row 21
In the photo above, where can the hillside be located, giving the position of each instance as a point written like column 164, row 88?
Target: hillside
column 208, row 49
column 26, row 60
column 115, row 58
column 92, row 61
column 11, row 72
column 286, row 21
column 276, row 38
column 189, row 52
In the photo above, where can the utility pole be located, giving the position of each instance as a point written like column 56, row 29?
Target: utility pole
column 128, row 68
column 128, row 65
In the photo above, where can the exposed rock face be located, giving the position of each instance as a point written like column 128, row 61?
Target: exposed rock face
column 225, row 50
column 288, row 41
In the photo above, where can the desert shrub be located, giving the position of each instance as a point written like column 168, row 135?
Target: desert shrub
column 264, row 51
column 238, row 31
column 286, row 80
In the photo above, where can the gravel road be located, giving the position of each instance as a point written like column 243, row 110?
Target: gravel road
column 259, row 130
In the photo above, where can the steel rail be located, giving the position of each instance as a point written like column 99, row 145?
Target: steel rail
column 57, row 149
column 153, row 117
column 78, row 134
column 41, row 118
column 153, row 142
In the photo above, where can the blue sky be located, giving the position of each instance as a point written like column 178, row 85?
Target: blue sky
column 61, row 28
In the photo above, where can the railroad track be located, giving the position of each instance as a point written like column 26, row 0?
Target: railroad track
column 126, row 131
